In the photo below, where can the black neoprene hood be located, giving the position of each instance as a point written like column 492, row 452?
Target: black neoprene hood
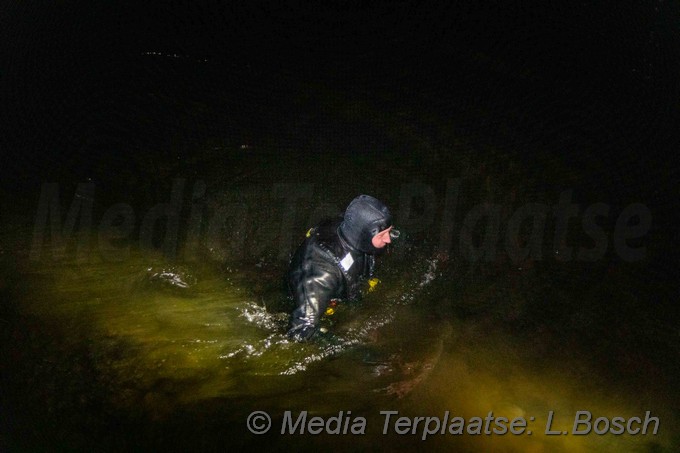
column 364, row 218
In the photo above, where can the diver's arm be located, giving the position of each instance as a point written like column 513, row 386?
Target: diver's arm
column 319, row 282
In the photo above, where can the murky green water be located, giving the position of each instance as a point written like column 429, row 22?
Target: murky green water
column 151, row 353
column 145, row 352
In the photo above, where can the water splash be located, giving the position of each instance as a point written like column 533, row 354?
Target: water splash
column 177, row 277
column 331, row 344
column 429, row 274
column 258, row 315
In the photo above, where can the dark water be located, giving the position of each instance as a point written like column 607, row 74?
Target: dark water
column 151, row 352
column 168, row 337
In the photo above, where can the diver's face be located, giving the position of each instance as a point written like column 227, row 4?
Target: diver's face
column 382, row 238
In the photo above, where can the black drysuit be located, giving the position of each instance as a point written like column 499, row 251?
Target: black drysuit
column 333, row 261
column 320, row 271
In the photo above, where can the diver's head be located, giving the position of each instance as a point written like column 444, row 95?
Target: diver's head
column 366, row 219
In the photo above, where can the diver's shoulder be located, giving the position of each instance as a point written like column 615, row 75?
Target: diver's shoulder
column 324, row 236
column 327, row 228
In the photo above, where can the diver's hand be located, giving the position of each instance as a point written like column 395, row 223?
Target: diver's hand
column 304, row 332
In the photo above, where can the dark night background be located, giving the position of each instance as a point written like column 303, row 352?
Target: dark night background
column 581, row 95
column 584, row 95
column 592, row 84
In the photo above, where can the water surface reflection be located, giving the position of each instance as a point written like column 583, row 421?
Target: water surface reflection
column 168, row 347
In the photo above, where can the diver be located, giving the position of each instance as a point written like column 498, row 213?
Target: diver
column 335, row 260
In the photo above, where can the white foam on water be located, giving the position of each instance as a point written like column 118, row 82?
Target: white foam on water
column 277, row 341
